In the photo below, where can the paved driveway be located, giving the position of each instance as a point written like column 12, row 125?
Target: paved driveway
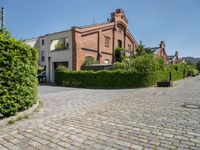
column 71, row 118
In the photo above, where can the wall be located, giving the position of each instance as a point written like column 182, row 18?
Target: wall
column 53, row 56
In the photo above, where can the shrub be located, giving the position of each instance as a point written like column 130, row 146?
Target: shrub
column 146, row 63
column 60, row 46
column 118, row 55
column 103, row 78
column 18, row 76
column 198, row 65
column 89, row 60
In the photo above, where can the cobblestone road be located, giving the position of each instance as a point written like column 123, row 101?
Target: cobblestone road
column 146, row 118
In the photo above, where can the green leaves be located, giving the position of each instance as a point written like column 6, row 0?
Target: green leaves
column 18, row 80
column 103, row 78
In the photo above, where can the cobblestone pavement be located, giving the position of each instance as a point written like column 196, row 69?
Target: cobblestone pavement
column 146, row 118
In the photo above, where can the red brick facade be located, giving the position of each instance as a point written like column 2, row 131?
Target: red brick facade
column 161, row 53
column 100, row 40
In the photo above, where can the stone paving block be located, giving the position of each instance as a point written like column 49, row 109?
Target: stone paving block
column 137, row 147
column 64, row 144
column 168, row 135
column 3, row 148
column 123, row 143
column 150, row 118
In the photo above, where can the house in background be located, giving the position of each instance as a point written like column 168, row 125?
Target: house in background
column 174, row 59
column 71, row 47
column 160, row 52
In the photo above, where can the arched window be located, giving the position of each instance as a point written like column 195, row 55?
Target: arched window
column 106, row 61
column 89, row 60
column 121, row 28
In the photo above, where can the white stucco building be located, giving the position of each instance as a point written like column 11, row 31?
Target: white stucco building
column 54, row 49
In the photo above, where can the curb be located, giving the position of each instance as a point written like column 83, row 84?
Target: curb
column 20, row 114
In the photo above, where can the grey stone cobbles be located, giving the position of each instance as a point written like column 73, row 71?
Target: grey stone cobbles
column 146, row 118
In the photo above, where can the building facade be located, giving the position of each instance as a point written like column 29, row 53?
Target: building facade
column 160, row 52
column 174, row 59
column 70, row 48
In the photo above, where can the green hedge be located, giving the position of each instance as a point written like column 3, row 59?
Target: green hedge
column 18, row 76
column 104, row 78
column 144, row 72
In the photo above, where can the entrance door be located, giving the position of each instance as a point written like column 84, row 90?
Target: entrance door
column 56, row 64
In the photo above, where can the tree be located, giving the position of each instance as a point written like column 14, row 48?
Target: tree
column 141, row 50
column 89, row 60
column 18, row 75
column 198, row 65
column 118, row 54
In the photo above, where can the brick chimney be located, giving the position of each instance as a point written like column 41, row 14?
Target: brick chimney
column 176, row 53
column 162, row 44
column 118, row 15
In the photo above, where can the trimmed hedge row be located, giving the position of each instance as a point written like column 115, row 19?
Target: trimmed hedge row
column 141, row 75
column 103, row 78
column 18, row 76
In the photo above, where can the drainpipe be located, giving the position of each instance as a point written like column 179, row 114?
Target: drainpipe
column 49, row 64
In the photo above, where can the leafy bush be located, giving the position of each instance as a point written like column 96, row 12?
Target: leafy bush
column 60, row 46
column 143, row 71
column 118, row 55
column 192, row 71
column 40, row 69
column 198, row 65
column 146, row 63
column 103, row 78
column 18, row 76
column 89, row 60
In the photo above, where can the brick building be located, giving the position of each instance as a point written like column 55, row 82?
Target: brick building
column 73, row 46
column 160, row 52
column 174, row 59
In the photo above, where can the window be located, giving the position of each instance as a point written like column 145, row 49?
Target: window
column 106, row 61
column 60, row 44
column 67, row 43
column 42, row 41
column 120, row 43
column 107, row 41
column 89, row 60
column 129, row 46
column 65, row 64
column 42, row 56
column 121, row 29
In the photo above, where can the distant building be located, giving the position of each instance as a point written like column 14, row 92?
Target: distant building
column 174, row 59
column 160, row 52
column 73, row 46
column 182, row 60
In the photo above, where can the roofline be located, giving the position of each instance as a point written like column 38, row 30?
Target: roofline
column 55, row 33
column 48, row 34
column 30, row 39
column 132, row 37
column 93, row 25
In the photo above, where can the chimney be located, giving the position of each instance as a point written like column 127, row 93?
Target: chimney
column 162, row 44
column 176, row 53
column 117, row 15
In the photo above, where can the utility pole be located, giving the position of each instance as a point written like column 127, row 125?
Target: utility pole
column 2, row 17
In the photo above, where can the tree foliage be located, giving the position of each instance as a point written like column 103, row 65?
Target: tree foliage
column 118, row 54
column 18, row 75
column 89, row 60
column 198, row 65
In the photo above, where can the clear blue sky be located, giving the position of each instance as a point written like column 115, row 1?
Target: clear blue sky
column 177, row 22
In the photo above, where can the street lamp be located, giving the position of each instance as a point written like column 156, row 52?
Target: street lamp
column 2, row 17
